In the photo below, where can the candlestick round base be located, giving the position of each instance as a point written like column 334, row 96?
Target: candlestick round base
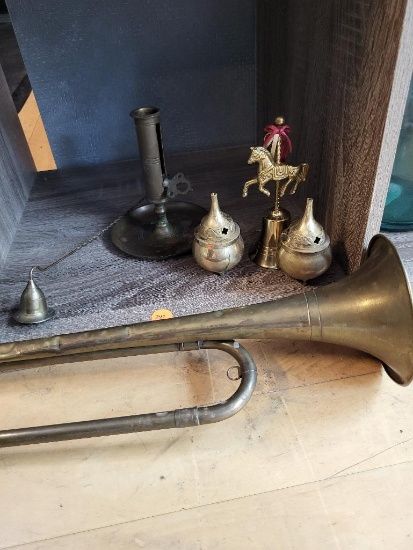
column 145, row 234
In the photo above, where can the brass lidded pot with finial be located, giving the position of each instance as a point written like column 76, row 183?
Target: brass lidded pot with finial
column 304, row 251
column 217, row 245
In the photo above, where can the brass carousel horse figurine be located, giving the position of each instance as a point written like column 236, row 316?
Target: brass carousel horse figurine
column 272, row 167
column 269, row 170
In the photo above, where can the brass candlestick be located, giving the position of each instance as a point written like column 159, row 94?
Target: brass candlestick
column 163, row 228
column 273, row 169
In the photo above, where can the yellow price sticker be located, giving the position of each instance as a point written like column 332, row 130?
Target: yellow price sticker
column 161, row 314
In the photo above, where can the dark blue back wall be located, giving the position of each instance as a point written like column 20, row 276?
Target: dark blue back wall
column 91, row 62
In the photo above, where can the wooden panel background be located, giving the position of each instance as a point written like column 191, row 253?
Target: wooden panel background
column 400, row 90
column 330, row 68
column 17, row 169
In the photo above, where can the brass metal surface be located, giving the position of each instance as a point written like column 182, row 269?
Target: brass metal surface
column 273, row 225
column 371, row 310
column 302, row 266
column 271, row 168
column 304, row 250
column 217, row 244
column 33, row 308
column 306, row 235
column 161, row 229
column 148, row 132
column 179, row 418
column 141, row 233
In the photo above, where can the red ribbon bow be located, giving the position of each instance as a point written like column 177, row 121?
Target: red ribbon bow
column 271, row 131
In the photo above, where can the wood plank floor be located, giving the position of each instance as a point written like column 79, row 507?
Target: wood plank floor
column 321, row 457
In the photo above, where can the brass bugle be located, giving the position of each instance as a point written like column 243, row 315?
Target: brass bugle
column 370, row 310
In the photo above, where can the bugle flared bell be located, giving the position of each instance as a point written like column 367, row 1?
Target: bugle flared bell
column 371, row 310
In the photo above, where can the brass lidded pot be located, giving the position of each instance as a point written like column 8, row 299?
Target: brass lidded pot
column 304, row 251
column 217, row 245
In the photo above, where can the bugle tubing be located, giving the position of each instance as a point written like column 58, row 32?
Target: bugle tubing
column 370, row 310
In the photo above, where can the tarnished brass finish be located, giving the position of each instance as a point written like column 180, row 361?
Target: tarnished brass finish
column 304, row 252
column 218, row 245
column 33, row 308
column 265, row 254
column 146, row 235
column 371, row 310
column 272, row 169
column 179, row 418
column 148, row 131
column 161, row 229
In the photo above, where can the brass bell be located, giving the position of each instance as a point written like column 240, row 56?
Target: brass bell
column 273, row 224
column 33, row 307
column 217, row 245
column 304, row 251
column 272, row 167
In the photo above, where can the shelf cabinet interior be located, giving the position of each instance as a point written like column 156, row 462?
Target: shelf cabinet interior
column 338, row 71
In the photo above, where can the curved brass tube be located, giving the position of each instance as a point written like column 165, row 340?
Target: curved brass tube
column 179, row 418
column 371, row 310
